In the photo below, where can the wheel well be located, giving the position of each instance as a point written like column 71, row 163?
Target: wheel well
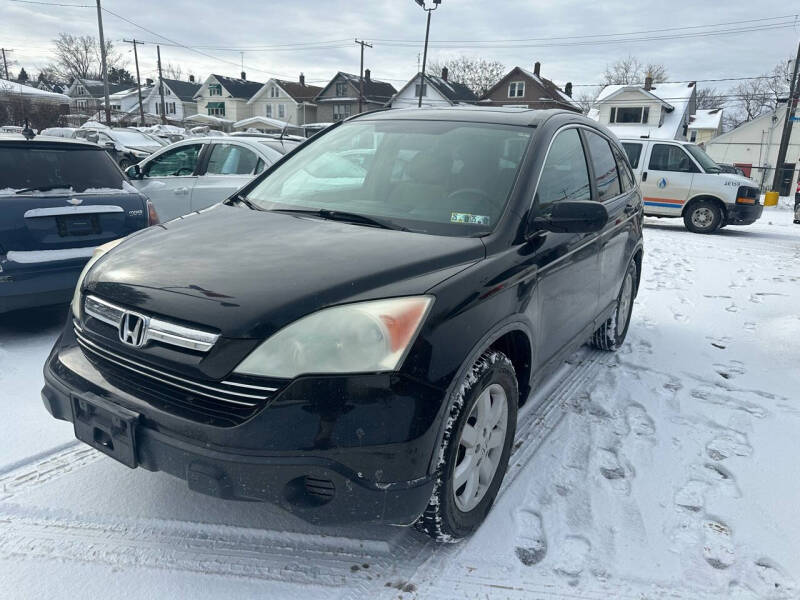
column 517, row 347
column 637, row 258
column 713, row 199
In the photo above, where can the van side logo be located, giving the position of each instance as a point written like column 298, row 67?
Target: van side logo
column 662, row 183
column 133, row 329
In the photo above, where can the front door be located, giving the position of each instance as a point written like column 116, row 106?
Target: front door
column 229, row 167
column 666, row 179
column 168, row 179
column 567, row 263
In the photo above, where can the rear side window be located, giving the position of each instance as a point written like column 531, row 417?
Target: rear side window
column 565, row 175
column 666, row 157
column 625, row 175
column 230, row 159
column 606, row 177
column 634, row 152
column 177, row 162
column 78, row 170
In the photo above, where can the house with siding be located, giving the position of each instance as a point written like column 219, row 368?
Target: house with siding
column 436, row 92
column 705, row 125
column 87, row 95
column 226, row 97
column 339, row 99
column 179, row 99
column 655, row 110
column 528, row 89
column 290, row 101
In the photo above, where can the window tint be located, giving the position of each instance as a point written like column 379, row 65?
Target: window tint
column 625, row 174
column 666, row 157
column 176, row 162
column 77, row 169
column 606, row 177
column 634, row 152
column 564, row 175
column 229, row 159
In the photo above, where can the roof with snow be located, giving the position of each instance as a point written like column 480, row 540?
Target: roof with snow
column 238, row 88
column 706, row 119
column 12, row 87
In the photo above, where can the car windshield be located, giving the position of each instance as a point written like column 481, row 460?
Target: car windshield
column 48, row 169
column 439, row 177
column 708, row 164
column 132, row 138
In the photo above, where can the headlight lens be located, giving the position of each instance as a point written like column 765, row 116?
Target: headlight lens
column 97, row 255
column 353, row 338
column 140, row 154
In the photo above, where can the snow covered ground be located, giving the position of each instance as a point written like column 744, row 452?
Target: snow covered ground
column 667, row 470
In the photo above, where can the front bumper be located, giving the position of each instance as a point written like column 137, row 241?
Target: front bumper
column 382, row 480
column 744, row 214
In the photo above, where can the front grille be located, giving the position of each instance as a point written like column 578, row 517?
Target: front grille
column 222, row 403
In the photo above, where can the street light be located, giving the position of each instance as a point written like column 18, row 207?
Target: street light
column 436, row 4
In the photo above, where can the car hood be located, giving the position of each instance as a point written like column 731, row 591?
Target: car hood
column 248, row 273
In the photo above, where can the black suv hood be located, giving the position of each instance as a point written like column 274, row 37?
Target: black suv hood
column 248, row 273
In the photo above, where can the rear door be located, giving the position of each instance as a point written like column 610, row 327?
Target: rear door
column 229, row 166
column 667, row 177
column 169, row 177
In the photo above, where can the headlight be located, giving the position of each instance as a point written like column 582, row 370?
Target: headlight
column 98, row 253
column 139, row 154
column 353, row 338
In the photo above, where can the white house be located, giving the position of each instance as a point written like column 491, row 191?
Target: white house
column 436, row 91
column 179, row 101
column 705, row 124
column 226, row 97
column 290, row 101
column 655, row 110
column 753, row 146
column 124, row 101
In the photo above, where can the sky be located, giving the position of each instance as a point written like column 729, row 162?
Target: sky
column 272, row 33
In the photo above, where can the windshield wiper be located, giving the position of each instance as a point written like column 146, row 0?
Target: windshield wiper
column 344, row 216
column 247, row 202
column 44, row 188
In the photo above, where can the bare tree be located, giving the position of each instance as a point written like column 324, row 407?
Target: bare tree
column 79, row 56
column 708, row 98
column 586, row 99
column 172, row 71
column 752, row 98
column 478, row 74
column 631, row 70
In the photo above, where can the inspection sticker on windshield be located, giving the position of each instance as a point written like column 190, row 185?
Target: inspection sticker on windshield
column 456, row 217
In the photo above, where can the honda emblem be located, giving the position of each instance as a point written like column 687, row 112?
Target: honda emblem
column 133, row 329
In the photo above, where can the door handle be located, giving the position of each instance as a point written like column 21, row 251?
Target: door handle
column 644, row 176
column 630, row 209
column 181, row 191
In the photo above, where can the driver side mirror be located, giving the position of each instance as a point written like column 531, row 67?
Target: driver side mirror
column 573, row 217
column 134, row 172
column 110, row 146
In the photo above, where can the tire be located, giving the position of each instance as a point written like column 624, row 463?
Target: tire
column 124, row 163
column 611, row 334
column 703, row 216
column 454, row 513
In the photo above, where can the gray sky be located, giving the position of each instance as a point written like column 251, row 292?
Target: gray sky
column 29, row 29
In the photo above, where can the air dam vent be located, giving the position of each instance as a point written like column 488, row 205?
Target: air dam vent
column 320, row 488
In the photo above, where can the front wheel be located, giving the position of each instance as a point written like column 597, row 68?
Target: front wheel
column 473, row 455
column 703, row 216
column 611, row 334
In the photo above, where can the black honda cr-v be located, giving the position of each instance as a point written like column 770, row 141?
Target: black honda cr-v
column 351, row 334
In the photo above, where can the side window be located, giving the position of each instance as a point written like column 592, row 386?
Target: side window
column 565, row 175
column 173, row 163
column 634, row 152
column 666, row 157
column 230, row 159
column 606, row 177
column 260, row 165
column 625, row 174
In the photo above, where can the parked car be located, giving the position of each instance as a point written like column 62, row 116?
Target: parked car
column 198, row 172
column 126, row 146
column 733, row 169
column 359, row 354
column 59, row 200
column 64, row 132
column 678, row 179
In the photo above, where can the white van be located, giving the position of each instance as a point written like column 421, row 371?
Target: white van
column 678, row 179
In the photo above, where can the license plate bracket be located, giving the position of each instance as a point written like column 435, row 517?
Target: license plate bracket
column 74, row 225
column 106, row 426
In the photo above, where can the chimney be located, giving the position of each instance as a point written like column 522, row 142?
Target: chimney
column 244, row 75
column 648, row 82
column 191, row 78
column 367, row 74
column 537, row 66
column 148, row 82
column 568, row 89
column 444, row 73
column 302, row 79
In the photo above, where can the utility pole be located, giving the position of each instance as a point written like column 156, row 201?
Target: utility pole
column 361, row 74
column 5, row 64
column 138, row 78
column 787, row 125
column 103, row 59
column 161, row 88
column 436, row 4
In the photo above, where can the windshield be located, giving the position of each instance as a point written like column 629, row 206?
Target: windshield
column 709, row 166
column 46, row 168
column 445, row 178
column 132, row 138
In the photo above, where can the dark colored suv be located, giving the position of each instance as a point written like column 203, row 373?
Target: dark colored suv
column 351, row 339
